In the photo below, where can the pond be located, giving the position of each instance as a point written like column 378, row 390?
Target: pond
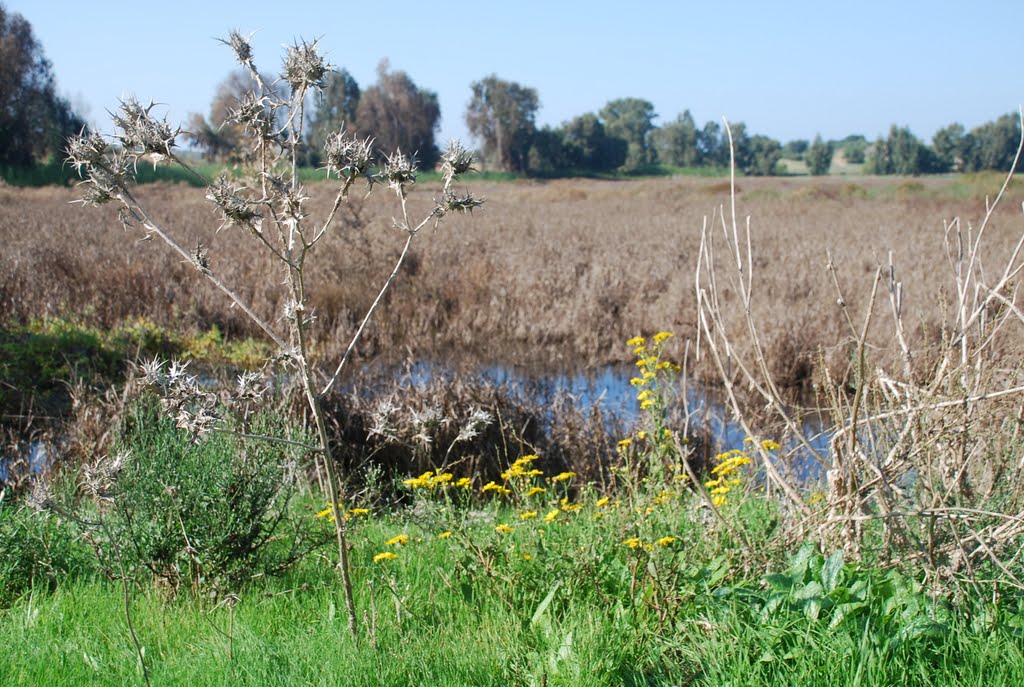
column 606, row 389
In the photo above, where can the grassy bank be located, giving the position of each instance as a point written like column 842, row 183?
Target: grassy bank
column 567, row 602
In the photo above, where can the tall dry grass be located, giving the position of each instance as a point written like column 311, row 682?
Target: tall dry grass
column 547, row 274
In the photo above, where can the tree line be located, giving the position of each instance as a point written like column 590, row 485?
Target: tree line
column 501, row 115
column 621, row 137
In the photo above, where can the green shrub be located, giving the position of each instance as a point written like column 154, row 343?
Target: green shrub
column 207, row 512
column 36, row 549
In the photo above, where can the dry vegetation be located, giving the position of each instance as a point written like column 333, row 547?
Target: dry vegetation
column 547, row 274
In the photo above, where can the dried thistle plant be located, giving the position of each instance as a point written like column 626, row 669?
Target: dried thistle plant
column 272, row 210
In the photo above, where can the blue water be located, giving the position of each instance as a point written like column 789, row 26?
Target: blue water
column 607, row 389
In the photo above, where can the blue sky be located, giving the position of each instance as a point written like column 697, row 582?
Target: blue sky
column 788, row 69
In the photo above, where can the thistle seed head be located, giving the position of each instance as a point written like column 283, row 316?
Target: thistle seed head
column 256, row 115
column 85, row 150
column 100, row 478
column 239, row 44
column 348, row 156
column 250, row 388
column 201, row 258
column 456, row 160
column 142, row 135
column 453, row 202
column 400, row 170
column 235, row 209
column 304, row 67
column 40, row 498
column 290, row 199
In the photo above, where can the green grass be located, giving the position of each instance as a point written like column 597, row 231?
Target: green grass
column 536, row 580
column 39, row 360
column 583, row 609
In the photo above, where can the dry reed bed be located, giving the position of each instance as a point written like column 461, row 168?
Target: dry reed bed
column 548, row 273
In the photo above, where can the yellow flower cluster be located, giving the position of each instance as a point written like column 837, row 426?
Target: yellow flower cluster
column 435, row 479
column 728, row 474
column 570, row 507
column 326, row 512
column 491, row 486
column 638, row 543
column 521, row 468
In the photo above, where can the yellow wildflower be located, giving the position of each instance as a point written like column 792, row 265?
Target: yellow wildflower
column 359, row 511
column 570, row 507
column 528, row 514
column 769, row 445
column 503, row 528
column 398, row 540
column 647, row 404
column 661, row 336
column 464, row 483
column 638, row 381
column 550, row 517
column 386, row 556
column 444, row 535
column 563, row 477
column 491, row 486
column 625, row 442
column 644, row 395
column 602, row 502
column 633, row 542
column 536, row 490
column 665, row 541
column 635, row 341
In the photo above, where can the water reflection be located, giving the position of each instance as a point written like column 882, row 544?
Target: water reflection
column 609, row 390
column 605, row 389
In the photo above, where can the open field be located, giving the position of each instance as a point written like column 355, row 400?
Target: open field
column 546, row 274
column 547, row 544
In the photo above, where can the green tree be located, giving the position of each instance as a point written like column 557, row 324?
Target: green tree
column 761, row 156
column 992, row 145
column 502, row 115
column 901, row 153
column 631, row 119
column 34, row 120
column 400, row 115
column 818, row 157
column 589, row 147
column 949, row 145
column 712, row 145
column 675, row 143
column 548, row 154
column 334, row 109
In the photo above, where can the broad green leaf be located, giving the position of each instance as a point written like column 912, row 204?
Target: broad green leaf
column 545, row 603
column 832, row 570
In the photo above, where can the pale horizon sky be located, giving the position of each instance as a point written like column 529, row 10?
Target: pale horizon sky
column 789, row 70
